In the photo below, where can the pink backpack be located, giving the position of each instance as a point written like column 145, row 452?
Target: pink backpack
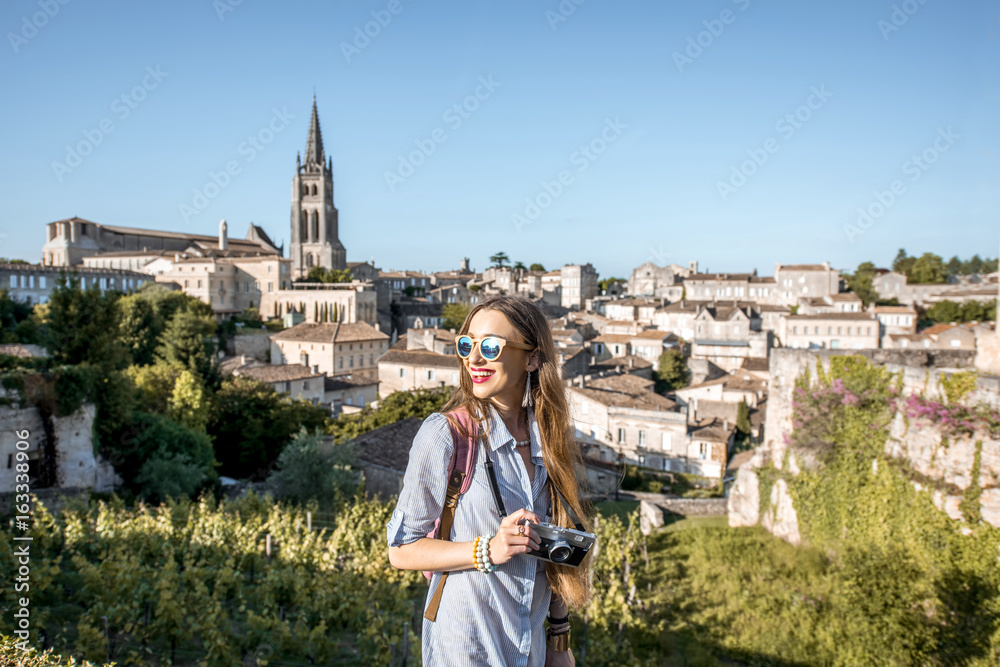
column 460, row 473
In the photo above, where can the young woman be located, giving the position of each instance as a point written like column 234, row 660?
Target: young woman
column 493, row 607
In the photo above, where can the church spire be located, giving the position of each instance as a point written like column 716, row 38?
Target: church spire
column 314, row 144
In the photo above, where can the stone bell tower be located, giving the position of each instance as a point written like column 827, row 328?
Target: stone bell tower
column 315, row 231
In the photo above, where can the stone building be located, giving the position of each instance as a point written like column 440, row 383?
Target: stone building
column 333, row 349
column 579, row 283
column 350, row 392
column 294, row 380
column 33, row 283
column 856, row 331
column 71, row 241
column 315, row 219
column 407, row 370
column 627, row 417
column 795, row 281
column 661, row 282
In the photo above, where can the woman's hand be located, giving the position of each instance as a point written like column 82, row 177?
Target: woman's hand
column 561, row 659
column 513, row 538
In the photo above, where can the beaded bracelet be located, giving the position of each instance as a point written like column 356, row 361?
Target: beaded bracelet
column 475, row 553
column 482, row 555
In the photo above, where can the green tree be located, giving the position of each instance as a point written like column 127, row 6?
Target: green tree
column 170, row 475
column 743, row 418
column 860, row 282
column 155, row 385
column 672, row 371
column 146, row 436
column 955, row 266
column 499, row 259
column 81, row 326
column 251, row 423
column 903, row 263
column 604, row 283
column 189, row 341
column 536, row 267
column 310, row 469
column 453, row 315
column 519, row 266
column 928, row 268
column 16, row 322
column 318, row 274
column 189, row 402
column 144, row 316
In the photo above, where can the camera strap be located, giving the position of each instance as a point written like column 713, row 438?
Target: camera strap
column 495, row 488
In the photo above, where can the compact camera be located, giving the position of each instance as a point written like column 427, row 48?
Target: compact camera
column 564, row 546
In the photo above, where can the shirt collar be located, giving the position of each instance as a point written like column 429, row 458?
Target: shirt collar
column 500, row 436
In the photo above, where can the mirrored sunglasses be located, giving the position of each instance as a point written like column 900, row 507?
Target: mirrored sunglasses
column 490, row 347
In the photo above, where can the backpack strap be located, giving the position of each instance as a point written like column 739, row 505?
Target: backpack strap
column 460, row 473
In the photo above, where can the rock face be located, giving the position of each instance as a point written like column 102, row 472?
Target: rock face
column 781, row 518
column 919, row 444
column 76, row 467
column 650, row 517
column 744, row 498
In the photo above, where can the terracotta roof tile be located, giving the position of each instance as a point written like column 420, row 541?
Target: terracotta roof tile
column 341, row 332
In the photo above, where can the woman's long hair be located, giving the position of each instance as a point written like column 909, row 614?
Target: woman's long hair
column 560, row 449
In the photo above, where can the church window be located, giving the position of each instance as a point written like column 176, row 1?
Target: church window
column 304, row 227
column 315, row 229
column 314, row 189
column 309, row 259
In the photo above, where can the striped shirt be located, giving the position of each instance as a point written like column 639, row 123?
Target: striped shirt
column 483, row 619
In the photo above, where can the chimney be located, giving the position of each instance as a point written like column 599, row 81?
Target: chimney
column 725, row 424
column 378, row 327
column 631, row 362
column 583, row 382
column 243, row 360
column 223, row 238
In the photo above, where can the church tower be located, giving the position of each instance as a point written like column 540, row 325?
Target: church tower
column 315, row 232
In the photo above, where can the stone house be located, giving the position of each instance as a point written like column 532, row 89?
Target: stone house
column 856, row 331
column 726, row 335
column 407, row 370
column 734, row 388
column 352, row 391
column 794, row 281
column 610, row 345
column 294, row 380
column 842, row 302
column 678, row 318
column 626, row 417
column 651, row 343
column 895, row 285
column 579, row 284
column 648, row 279
column 332, row 349
column 708, row 446
column 895, row 319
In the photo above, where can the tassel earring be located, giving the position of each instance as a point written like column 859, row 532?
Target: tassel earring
column 527, row 400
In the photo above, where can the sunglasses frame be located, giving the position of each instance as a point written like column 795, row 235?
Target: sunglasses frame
column 476, row 341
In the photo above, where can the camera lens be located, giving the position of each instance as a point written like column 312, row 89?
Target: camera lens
column 559, row 551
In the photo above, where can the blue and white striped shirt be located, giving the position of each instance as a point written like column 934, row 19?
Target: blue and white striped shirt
column 483, row 619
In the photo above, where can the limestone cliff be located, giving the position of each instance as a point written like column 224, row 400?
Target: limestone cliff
column 943, row 465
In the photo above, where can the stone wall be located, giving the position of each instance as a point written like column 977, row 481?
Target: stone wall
column 76, row 467
column 946, row 461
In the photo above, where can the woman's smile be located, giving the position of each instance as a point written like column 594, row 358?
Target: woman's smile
column 480, row 375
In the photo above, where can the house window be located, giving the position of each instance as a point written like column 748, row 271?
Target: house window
column 185, row 283
column 642, row 438
column 350, row 360
column 621, row 436
column 430, row 375
column 402, row 372
column 340, row 363
column 665, row 441
column 199, row 284
column 704, row 450
column 41, row 282
column 288, row 386
column 642, row 460
column 305, row 385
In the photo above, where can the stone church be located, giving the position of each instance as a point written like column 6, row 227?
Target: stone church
column 315, row 234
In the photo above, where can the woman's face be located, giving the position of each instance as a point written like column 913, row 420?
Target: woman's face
column 504, row 377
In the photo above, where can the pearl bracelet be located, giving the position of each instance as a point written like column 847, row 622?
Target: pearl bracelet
column 482, row 554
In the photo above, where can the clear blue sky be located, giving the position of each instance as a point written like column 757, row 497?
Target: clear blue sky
column 652, row 194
